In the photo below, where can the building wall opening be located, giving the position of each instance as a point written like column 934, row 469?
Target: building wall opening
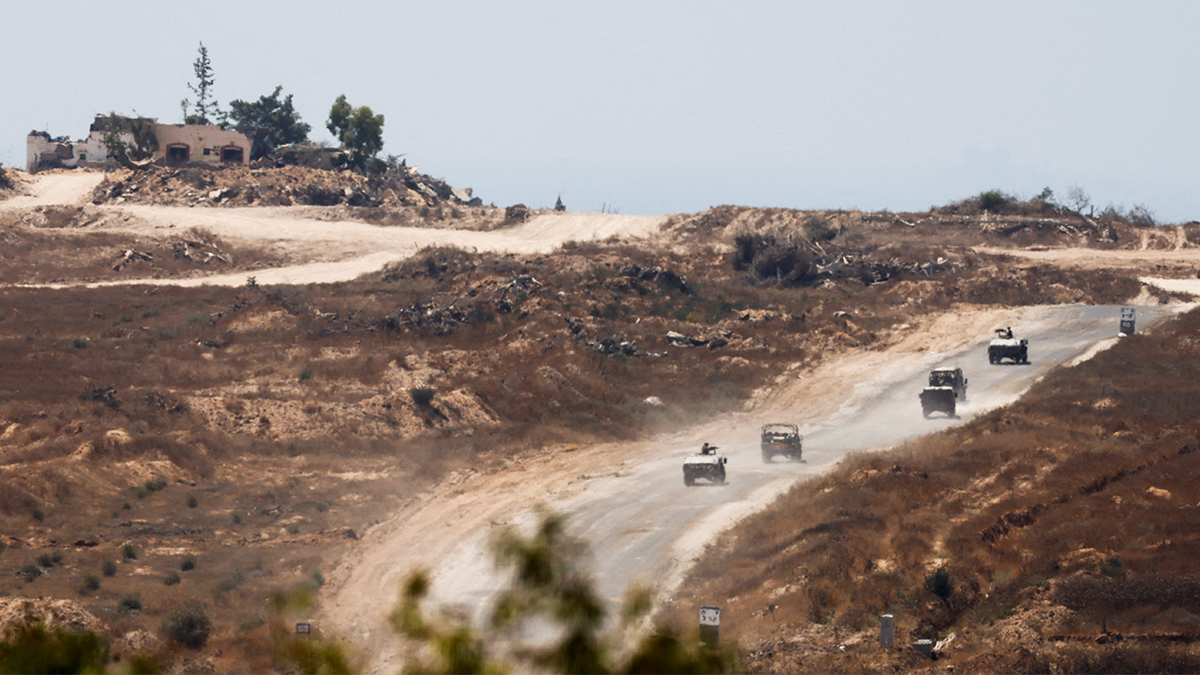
column 177, row 153
column 232, row 153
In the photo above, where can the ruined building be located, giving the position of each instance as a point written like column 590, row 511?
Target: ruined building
column 178, row 144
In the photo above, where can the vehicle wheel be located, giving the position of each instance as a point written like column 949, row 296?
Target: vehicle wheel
column 925, row 412
column 767, row 458
column 687, row 480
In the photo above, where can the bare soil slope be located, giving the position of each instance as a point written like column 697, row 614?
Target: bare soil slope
column 303, row 395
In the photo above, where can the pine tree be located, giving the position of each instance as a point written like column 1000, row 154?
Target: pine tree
column 205, row 108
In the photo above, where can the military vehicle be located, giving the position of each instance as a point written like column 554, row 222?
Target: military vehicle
column 950, row 377
column 946, row 387
column 1005, row 346
column 706, row 465
column 938, row 399
column 781, row 439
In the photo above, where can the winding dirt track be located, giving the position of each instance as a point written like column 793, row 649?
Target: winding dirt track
column 330, row 250
column 627, row 499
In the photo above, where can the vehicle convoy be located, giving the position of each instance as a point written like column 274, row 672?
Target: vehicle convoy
column 1005, row 346
column 781, row 439
column 946, row 387
column 706, row 465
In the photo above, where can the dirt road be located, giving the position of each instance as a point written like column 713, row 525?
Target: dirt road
column 326, row 251
column 630, row 502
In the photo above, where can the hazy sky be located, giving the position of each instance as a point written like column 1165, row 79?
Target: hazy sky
column 668, row 107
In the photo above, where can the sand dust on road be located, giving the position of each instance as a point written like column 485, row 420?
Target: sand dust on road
column 428, row 531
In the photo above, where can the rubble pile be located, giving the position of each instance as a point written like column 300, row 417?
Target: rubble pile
column 634, row 276
column 426, row 318
column 277, row 186
column 487, row 298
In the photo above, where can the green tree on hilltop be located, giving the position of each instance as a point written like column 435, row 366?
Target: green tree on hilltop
column 360, row 131
column 278, row 117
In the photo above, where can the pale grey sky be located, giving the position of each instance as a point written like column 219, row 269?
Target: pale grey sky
column 668, row 107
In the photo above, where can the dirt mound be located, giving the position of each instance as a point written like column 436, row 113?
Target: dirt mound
column 64, row 613
column 10, row 183
column 283, row 186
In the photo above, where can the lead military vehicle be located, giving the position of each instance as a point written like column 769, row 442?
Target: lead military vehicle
column 781, row 439
column 1005, row 346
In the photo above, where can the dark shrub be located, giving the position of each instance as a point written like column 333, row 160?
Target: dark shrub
column 188, row 625
column 938, row 583
column 30, row 572
column 819, row 228
column 992, row 200
column 422, row 396
column 129, row 603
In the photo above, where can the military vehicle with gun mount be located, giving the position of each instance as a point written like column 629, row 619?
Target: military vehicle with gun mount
column 1005, row 346
column 704, row 465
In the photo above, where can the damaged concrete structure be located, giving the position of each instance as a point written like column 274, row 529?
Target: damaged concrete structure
column 178, row 144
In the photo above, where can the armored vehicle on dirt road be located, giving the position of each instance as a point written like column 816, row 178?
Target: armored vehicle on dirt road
column 950, row 377
column 1005, row 346
column 706, row 464
column 947, row 387
column 781, row 439
column 938, row 399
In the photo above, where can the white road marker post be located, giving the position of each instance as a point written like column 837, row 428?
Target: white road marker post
column 1128, row 320
column 710, row 626
column 887, row 630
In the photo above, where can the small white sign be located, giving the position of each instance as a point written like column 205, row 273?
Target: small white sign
column 1127, row 313
column 710, row 616
column 302, row 628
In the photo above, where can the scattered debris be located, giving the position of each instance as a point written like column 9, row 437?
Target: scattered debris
column 712, row 339
column 662, row 277
column 131, row 256
column 613, row 346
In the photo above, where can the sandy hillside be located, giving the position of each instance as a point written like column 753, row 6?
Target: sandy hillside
column 468, row 504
